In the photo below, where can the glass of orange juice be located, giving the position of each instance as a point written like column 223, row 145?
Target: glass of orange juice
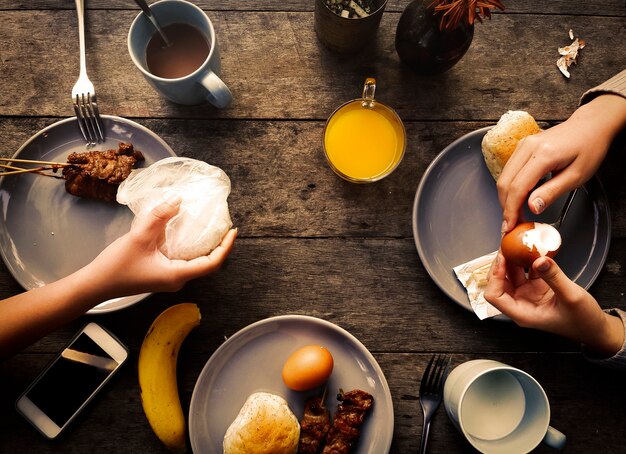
column 364, row 140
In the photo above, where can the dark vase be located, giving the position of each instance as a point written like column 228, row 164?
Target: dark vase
column 423, row 46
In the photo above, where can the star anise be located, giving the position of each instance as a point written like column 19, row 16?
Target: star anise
column 455, row 11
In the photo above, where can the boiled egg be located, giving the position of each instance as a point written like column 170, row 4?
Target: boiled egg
column 308, row 367
column 528, row 241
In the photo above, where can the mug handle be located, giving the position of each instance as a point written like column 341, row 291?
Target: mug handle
column 218, row 93
column 554, row 438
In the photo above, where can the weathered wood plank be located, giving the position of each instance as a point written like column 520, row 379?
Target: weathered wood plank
column 303, row 80
column 282, row 185
column 377, row 289
column 309, row 242
column 567, row 379
column 569, row 7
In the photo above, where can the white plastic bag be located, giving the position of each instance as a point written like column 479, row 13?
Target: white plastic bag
column 203, row 219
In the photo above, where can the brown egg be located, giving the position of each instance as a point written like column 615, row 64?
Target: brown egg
column 307, row 368
column 529, row 241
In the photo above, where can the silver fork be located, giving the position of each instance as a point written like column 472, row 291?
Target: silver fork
column 431, row 392
column 83, row 93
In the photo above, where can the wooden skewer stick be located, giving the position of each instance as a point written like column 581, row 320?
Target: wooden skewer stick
column 18, row 170
column 30, row 161
column 6, row 166
column 15, row 172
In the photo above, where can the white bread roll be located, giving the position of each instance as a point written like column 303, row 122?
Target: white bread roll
column 264, row 425
column 500, row 142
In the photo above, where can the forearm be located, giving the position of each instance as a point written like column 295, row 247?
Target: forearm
column 607, row 340
column 31, row 315
column 604, row 116
column 616, row 359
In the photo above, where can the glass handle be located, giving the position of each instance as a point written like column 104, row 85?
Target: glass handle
column 369, row 88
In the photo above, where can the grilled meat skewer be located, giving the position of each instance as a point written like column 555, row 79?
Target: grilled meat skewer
column 314, row 426
column 346, row 428
column 98, row 174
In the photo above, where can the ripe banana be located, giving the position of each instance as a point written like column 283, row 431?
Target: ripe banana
column 157, row 373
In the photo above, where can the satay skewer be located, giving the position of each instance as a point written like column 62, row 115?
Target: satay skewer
column 31, row 161
column 314, row 425
column 17, row 170
column 93, row 174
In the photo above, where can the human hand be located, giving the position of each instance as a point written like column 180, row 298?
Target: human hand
column 130, row 265
column 134, row 264
column 572, row 151
column 548, row 300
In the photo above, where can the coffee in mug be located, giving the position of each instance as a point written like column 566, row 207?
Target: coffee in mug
column 187, row 71
column 187, row 50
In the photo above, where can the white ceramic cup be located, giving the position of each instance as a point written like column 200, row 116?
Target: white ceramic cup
column 498, row 408
column 204, row 84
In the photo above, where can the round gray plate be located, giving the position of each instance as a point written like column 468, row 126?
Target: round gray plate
column 47, row 233
column 252, row 360
column 457, row 217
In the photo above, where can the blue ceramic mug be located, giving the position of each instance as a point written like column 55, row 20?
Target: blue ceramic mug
column 200, row 85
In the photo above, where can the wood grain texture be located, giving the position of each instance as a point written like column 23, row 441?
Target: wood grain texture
column 584, row 419
column 510, row 65
column 282, row 185
column 310, row 243
column 374, row 288
column 570, row 7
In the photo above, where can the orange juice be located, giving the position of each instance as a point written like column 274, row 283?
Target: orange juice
column 364, row 141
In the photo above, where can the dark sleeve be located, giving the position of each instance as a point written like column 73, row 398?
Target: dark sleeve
column 615, row 85
column 617, row 361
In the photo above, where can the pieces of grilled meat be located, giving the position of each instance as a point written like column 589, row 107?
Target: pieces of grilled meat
column 98, row 174
column 314, row 426
column 346, row 428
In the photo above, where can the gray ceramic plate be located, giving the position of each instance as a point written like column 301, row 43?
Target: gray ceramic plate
column 48, row 233
column 252, row 360
column 457, row 217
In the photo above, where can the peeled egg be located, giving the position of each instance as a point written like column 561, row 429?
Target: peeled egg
column 307, row 368
column 529, row 241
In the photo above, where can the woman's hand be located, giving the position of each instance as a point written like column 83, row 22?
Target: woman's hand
column 130, row 265
column 134, row 264
column 572, row 151
column 548, row 300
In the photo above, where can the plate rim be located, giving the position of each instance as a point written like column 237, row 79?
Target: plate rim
column 593, row 181
column 294, row 318
column 114, row 304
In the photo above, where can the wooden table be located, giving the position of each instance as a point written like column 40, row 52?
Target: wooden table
column 311, row 243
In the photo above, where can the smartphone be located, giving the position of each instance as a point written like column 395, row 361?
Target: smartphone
column 72, row 379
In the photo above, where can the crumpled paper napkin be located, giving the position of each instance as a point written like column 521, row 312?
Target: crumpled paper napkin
column 473, row 276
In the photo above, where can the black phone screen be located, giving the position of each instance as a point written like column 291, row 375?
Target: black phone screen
column 72, row 379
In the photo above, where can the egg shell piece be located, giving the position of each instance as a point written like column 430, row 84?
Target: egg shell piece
column 528, row 241
column 544, row 237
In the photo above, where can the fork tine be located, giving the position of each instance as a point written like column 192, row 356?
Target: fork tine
column 91, row 117
column 91, row 138
column 100, row 127
column 94, row 117
column 441, row 378
column 426, row 375
column 81, row 121
column 433, row 380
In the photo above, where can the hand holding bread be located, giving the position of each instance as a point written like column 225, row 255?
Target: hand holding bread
column 571, row 151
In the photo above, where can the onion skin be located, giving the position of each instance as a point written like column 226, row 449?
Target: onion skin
column 516, row 252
